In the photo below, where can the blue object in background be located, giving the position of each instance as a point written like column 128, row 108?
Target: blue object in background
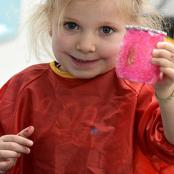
column 9, row 19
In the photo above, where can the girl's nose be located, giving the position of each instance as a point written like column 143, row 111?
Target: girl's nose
column 86, row 44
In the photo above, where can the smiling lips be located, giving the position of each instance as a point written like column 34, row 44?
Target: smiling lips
column 83, row 61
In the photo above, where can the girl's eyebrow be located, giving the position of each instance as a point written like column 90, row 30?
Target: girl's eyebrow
column 66, row 18
column 109, row 23
column 102, row 22
column 70, row 18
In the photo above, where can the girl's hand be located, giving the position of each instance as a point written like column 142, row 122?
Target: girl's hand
column 12, row 146
column 163, row 56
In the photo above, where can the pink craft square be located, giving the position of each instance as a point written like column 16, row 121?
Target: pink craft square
column 134, row 60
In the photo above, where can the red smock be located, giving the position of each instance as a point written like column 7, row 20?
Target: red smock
column 102, row 125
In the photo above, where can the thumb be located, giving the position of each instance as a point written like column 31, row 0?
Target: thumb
column 27, row 132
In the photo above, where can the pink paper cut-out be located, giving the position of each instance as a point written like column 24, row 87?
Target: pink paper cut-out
column 134, row 60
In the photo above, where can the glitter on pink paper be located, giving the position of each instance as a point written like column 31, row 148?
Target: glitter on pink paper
column 134, row 60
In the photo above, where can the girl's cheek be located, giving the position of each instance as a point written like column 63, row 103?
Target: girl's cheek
column 63, row 43
column 111, row 50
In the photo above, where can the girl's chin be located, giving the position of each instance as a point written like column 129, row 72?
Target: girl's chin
column 85, row 74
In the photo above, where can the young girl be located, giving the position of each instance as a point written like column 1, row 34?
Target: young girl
column 74, row 115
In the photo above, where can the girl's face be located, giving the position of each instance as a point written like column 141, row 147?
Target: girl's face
column 89, row 40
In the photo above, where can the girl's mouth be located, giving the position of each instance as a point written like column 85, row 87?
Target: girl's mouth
column 83, row 61
column 87, row 63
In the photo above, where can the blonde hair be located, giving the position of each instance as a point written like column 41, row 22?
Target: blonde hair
column 46, row 13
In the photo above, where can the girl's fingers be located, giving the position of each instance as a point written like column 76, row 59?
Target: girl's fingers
column 14, row 147
column 162, row 62
column 6, row 165
column 169, row 72
column 4, row 154
column 166, row 45
column 159, row 53
column 166, row 66
column 21, row 138
column 17, row 139
column 27, row 132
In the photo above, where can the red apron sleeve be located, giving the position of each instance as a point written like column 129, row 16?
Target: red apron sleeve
column 150, row 131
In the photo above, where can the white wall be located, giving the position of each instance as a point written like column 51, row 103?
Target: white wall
column 14, row 54
column 166, row 8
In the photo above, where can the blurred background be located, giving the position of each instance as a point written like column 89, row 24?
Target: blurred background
column 14, row 52
column 165, row 7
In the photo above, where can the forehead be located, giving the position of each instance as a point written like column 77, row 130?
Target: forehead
column 118, row 6
column 105, row 8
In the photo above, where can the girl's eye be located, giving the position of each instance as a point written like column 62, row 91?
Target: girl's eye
column 71, row 26
column 107, row 30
